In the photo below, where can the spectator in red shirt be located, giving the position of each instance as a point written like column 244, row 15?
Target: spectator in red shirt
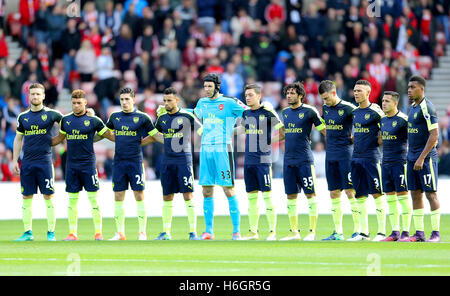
column 378, row 69
column 27, row 10
column 3, row 45
column 375, row 86
column 274, row 11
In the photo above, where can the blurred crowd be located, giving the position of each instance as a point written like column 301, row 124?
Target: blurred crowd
column 153, row 44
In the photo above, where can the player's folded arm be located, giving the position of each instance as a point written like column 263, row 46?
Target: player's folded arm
column 59, row 138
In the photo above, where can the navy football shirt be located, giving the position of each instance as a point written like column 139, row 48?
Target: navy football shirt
column 366, row 127
column 394, row 131
column 129, row 129
column 36, row 128
column 338, row 121
column 80, row 131
column 422, row 119
column 298, row 125
column 176, row 129
column 258, row 126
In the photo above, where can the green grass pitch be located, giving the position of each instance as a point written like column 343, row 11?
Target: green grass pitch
column 220, row 257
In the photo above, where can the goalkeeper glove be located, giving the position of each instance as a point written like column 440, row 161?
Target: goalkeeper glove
column 161, row 110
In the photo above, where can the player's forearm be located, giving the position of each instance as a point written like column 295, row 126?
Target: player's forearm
column 57, row 140
column 278, row 137
column 108, row 135
column 17, row 147
column 238, row 130
column 147, row 140
column 158, row 137
column 431, row 143
column 97, row 138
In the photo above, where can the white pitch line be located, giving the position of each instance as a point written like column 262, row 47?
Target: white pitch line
column 228, row 262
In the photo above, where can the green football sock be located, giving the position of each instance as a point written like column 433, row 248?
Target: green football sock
column 292, row 213
column 27, row 216
column 355, row 214
column 119, row 216
column 418, row 219
column 72, row 216
column 406, row 212
column 313, row 213
column 336, row 213
column 142, row 216
column 167, row 212
column 363, row 215
column 51, row 217
column 192, row 218
column 380, row 204
column 394, row 215
column 253, row 211
column 270, row 211
column 435, row 220
column 96, row 214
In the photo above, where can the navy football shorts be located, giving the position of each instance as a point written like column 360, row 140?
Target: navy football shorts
column 79, row 178
column 298, row 177
column 366, row 177
column 425, row 179
column 34, row 175
column 394, row 177
column 128, row 172
column 338, row 173
column 258, row 177
column 176, row 178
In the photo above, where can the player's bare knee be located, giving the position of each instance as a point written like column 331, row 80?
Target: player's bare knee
column 168, row 197
column 139, row 195
column 416, row 195
column 188, row 196
column 292, row 196
column 208, row 191
column 350, row 193
column 403, row 193
column 431, row 196
column 229, row 191
column 48, row 196
column 391, row 193
column 335, row 194
column 309, row 196
column 27, row 196
column 119, row 196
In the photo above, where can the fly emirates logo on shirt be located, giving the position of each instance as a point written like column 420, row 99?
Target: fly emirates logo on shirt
column 125, row 132
column 291, row 129
column 333, row 126
column 212, row 119
column 172, row 134
column 35, row 131
column 387, row 136
column 360, row 129
column 77, row 136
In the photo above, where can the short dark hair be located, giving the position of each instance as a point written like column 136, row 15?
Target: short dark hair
column 127, row 90
column 326, row 86
column 298, row 87
column 171, row 91
column 363, row 82
column 78, row 94
column 393, row 94
column 253, row 86
column 419, row 79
